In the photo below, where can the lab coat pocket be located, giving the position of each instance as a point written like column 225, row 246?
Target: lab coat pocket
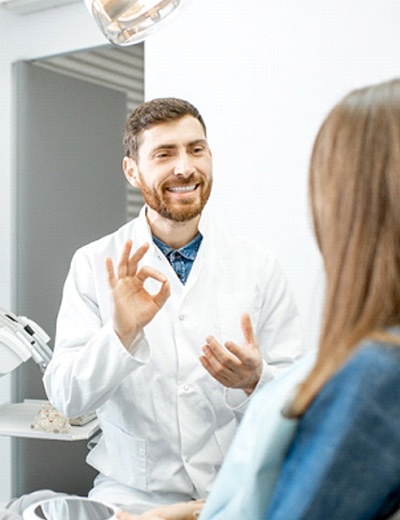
column 231, row 308
column 126, row 456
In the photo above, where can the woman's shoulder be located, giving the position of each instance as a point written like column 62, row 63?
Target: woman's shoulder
column 378, row 354
column 371, row 373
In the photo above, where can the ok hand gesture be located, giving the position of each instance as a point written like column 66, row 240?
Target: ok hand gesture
column 134, row 306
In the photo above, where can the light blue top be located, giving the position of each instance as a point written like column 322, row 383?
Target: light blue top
column 340, row 461
column 257, row 451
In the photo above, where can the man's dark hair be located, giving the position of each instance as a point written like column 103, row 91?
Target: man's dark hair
column 151, row 113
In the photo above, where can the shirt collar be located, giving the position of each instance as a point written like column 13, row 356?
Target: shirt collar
column 189, row 251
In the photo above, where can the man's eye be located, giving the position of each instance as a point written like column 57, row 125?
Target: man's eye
column 198, row 149
column 162, row 155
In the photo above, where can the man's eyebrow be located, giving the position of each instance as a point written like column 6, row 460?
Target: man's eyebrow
column 171, row 146
column 198, row 141
column 165, row 146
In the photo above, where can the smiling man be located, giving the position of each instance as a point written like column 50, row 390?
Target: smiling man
column 178, row 147
column 168, row 325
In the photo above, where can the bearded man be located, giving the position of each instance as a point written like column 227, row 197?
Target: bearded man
column 168, row 325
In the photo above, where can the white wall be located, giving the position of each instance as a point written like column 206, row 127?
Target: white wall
column 263, row 77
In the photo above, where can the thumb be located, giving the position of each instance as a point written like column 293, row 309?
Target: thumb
column 247, row 329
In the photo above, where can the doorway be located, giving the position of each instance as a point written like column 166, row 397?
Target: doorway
column 69, row 190
column 120, row 68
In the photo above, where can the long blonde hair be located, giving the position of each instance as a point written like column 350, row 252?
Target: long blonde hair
column 354, row 186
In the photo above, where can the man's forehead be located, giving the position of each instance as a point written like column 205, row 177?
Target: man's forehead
column 186, row 128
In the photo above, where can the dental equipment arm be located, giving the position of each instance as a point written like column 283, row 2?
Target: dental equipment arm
column 21, row 339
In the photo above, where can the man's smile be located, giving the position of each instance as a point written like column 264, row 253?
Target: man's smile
column 182, row 189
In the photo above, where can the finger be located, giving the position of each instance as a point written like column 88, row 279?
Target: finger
column 110, row 273
column 220, row 375
column 225, row 367
column 225, row 357
column 149, row 272
column 246, row 356
column 235, row 350
column 123, row 261
column 163, row 294
column 247, row 329
column 136, row 257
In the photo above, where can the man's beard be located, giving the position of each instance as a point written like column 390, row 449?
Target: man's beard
column 177, row 210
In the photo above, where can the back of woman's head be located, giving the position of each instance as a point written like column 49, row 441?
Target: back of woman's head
column 355, row 199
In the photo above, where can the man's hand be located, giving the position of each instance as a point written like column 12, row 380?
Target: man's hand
column 234, row 366
column 134, row 307
column 180, row 511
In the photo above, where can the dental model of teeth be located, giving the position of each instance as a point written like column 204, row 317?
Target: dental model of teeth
column 49, row 419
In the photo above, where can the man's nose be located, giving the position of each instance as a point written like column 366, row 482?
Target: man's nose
column 184, row 166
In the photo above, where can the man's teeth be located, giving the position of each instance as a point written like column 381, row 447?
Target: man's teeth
column 182, row 189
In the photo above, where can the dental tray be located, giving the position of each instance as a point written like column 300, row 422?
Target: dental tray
column 16, row 420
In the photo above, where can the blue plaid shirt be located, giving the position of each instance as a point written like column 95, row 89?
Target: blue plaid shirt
column 181, row 259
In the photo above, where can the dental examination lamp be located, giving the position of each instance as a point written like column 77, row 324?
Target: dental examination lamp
column 126, row 22
column 20, row 340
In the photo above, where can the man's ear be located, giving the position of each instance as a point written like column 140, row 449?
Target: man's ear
column 131, row 171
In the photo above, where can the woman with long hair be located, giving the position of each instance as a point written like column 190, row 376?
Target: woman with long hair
column 341, row 459
column 344, row 461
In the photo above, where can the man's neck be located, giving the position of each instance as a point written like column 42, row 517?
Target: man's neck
column 174, row 234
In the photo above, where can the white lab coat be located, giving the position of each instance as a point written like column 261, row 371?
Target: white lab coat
column 166, row 422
